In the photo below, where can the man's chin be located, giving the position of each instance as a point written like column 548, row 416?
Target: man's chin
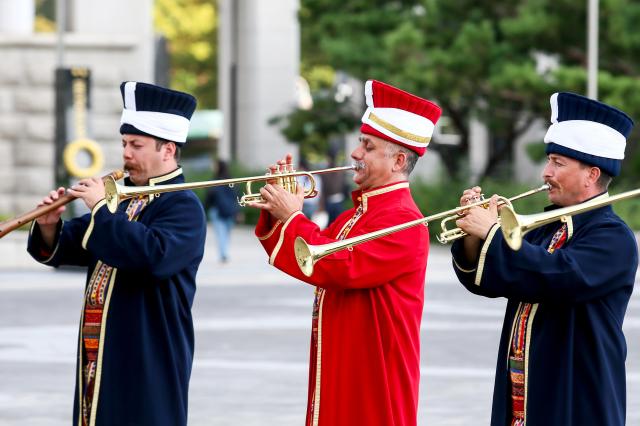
column 135, row 179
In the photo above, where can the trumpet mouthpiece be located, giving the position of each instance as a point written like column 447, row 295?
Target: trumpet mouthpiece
column 117, row 174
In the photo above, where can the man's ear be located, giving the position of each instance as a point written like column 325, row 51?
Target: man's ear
column 169, row 151
column 593, row 176
column 401, row 162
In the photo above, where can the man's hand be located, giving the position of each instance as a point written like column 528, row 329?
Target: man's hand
column 90, row 190
column 471, row 195
column 48, row 223
column 477, row 221
column 278, row 201
column 51, row 218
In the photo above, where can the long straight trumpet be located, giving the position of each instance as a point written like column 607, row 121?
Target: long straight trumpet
column 515, row 226
column 16, row 222
column 307, row 254
column 115, row 193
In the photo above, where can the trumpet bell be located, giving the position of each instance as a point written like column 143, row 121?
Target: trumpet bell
column 515, row 226
column 512, row 228
column 304, row 256
column 111, row 194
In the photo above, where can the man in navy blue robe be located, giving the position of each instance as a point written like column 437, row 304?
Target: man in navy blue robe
column 136, row 338
column 561, row 359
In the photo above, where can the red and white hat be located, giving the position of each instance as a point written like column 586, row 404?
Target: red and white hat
column 399, row 116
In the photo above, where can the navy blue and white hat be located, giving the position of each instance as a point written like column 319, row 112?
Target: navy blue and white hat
column 589, row 131
column 155, row 111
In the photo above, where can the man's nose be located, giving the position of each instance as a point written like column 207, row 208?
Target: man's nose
column 356, row 154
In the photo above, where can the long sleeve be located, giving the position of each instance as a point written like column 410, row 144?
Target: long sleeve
column 593, row 263
column 67, row 248
column 366, row 265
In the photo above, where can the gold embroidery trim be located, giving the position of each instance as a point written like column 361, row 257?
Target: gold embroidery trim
column 483, row 253
column 274, row 253
column 398, row 131
column 569, row 223
column 366, row 195
column 468, row 271
column 159, row 179
column 316, row 399
column 103, row 331
column 532, row 314
column 87, row 233
column 270, row 233
column 513, row 326
column 164, row 178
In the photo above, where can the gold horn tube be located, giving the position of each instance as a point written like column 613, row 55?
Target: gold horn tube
column 115, row 193
column 449, row 235
column 515, row 226
column 307, row 254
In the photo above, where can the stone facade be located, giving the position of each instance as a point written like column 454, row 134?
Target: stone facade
column 115, row 46
column 27, row 107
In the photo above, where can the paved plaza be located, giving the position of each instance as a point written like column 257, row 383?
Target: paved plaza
column 252, row 335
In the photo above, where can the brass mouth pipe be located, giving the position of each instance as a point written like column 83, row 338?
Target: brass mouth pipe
column 116, row 193
column 307, row 254
column 449, row 235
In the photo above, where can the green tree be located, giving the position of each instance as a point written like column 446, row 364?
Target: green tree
column 190, row 27
column 314, row 129
column 478, row 59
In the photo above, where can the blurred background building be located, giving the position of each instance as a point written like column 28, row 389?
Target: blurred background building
column 112, row 45
column 287, row 76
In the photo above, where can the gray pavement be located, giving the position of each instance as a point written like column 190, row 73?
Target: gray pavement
column 252, row 335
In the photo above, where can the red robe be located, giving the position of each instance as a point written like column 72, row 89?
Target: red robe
column 365, row 351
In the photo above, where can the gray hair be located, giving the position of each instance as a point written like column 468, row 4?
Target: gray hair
column 412, row 158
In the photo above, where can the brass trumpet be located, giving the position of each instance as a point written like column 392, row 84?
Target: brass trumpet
column 307, row 254
column 448, row 235
column 115, row 193
column 515, row 226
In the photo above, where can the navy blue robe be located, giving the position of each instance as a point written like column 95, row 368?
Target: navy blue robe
column 148, row 335
column 576, row 351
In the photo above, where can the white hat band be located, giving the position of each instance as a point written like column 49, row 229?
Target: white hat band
column 171, row 127
column 403, row 126
column 589, row 137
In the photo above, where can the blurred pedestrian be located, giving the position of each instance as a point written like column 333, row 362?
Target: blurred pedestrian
column 222, row 208
column 335, row 190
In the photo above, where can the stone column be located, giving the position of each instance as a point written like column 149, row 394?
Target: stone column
column 17, row 16
column 266, row 39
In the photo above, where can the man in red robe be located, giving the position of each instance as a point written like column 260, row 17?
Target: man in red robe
column 365, row 346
